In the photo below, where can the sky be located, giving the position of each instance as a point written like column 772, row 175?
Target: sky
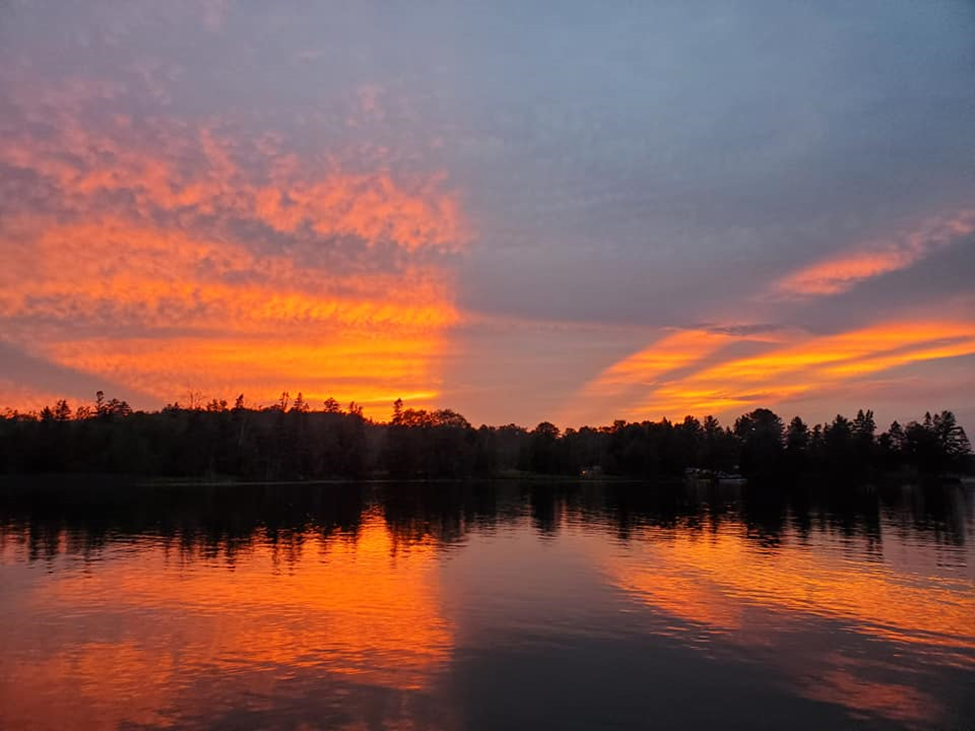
column 572, row 212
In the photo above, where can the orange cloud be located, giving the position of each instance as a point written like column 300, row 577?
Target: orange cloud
column 790, row 367
column 667, row 354
column 24, row 398
column 367, row 337
column 191, row 170
column 373, row 371
column 843, row 272
column 163, row 277
column 171, row 255
column 818, row 364
column 616, row 388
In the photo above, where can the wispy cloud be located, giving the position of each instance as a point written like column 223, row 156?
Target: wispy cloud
column 613, row 392
column 796, row 365
column 844, row 271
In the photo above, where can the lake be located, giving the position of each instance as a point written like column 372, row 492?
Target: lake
column 485, row 606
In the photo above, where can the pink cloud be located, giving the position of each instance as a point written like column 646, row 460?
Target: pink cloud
column 844, row 271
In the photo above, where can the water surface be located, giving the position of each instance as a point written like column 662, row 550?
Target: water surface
column 485, row 606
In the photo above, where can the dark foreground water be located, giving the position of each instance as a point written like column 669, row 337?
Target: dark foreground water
column 485, row 606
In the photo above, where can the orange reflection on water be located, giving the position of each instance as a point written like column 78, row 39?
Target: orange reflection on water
column 844, row 683
column 709, row 578
column 365, row 608
column 721, row 583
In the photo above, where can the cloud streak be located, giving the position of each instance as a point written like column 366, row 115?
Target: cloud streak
column 671, row 378
column 845, row 271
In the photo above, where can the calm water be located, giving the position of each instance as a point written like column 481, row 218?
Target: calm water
column 485, row 606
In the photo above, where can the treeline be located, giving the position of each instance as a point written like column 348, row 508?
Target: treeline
column 293, row 441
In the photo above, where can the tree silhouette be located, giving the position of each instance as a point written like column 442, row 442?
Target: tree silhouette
column 62, row 412
column 761, row 433
column 280, row 443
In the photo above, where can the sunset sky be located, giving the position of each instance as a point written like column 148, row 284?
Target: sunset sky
column 578, row 213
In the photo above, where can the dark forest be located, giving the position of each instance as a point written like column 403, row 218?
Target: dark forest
column 293, row 441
